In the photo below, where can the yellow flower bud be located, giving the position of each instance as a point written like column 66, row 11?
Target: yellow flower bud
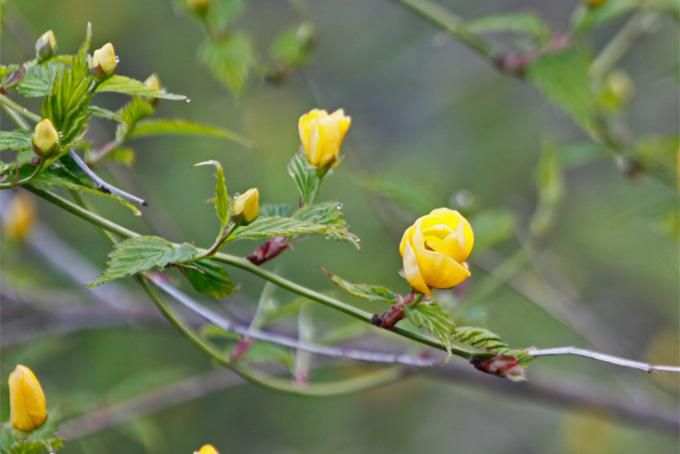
column 434, row 250
column 246, row 207
column 19, row 217
column 207, row 449
column 45, row 137
column 45, row 46
column 104, row 61
column 153, row 82
column 322, row 134
column 26, row 400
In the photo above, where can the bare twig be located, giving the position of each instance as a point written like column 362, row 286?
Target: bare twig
column 103, row 185
column 602, row 357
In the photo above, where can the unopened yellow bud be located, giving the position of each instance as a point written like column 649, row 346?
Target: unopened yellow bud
column 26, row 400
column 104, row 61
column 246, row 207
column 153, row 82
column 45, row 46
column 19, row 217
column 435, row 249
column 207, row 449
column 322, row 134
column 45, row 137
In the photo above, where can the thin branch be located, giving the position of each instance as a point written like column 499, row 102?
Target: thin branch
column 253, row 333
column 103, row 185
column 602, row 357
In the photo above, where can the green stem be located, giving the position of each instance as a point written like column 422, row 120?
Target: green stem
column 453, row 24
column 245, row 265
column 7, row 102
column 219, row 241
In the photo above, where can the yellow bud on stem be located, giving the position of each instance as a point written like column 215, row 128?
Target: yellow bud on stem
column 104, row 61
column 246, row 207
column 322, row 134
column 207, row 449
column 26, row 399
column 45, row 46
column 45, row 137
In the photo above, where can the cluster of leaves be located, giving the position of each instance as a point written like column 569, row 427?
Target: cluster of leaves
column 228, row 52
column 40, row 441
column 68, row 90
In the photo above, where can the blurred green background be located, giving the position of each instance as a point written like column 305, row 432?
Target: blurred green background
column 428, row 116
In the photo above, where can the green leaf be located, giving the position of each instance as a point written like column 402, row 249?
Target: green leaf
column 480, row 338
column 210, row 278
column 275, row 209
column 293, row 45
column 144, row 253
column 43, row 446
column 522, row 22
column 491, row 228
column 328, row 214
column 434, row 319
column 62, row 178
column 15, row 141
column 125, row 156
column 224, row 12
column 221, row 201
column 133, row 87
column 658, row 155
column 187, row 128
column 564, row 80
column 305, row 176
column 585, row 18
column 376, row 293
column 107, row 114
column 67, row 104
column 229, row 59
column 38, row 80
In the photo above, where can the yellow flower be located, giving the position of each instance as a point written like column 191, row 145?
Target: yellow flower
column 246, row 207
column 434, row 250
column 104, row 61
column 322, row 134
column 26, row 400
column 45, row 137
column 45, row 46
column 207, row 449
column 20, row 216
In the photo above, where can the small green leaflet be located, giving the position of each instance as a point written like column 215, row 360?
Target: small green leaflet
column 229, row 59
column 376, row 293
column 38, row 80
column 434, row 319
column 210, row 278
column 148, row 128
column 480, row 338
column 67, row 104
column 564, row 79
column 133, row 87
column 522, row 22
column 305, row 176
column 144, row 253
column 221, row 195
column 101, row 112
column 15, row 141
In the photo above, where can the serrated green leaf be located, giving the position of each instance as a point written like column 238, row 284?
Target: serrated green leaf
column 144, row 253
column 229, row 60
column 221, row 200
column 275, row 209
column 15, row 141
column 148, row 128
column 133, row 87
column 27, row 446
column 491, row 228
column 67, row 103
column 480, row 338
column 376, row 293
column 434, row 319
column 209, row 277
column 38, row 80
column 328, row 214
column 62, row 178
column 305, row 176
column 293, row 45
column 521, row 22
column 564, row 79
column 101, row 112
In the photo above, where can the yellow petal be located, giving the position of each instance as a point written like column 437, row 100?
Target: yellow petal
column 207, row 449
column 437, row 269
column 412, row 270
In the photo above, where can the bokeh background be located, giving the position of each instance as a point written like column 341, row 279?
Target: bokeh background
column 429, row 117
